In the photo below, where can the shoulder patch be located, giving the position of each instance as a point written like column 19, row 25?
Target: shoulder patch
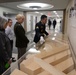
column 37, row 27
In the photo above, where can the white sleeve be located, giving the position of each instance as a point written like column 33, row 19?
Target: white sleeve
column 7, row 31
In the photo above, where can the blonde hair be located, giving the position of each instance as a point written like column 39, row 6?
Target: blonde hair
column 19, row 16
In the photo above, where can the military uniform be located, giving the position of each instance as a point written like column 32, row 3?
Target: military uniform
column 39, row 31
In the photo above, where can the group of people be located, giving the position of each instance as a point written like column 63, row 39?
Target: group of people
column 6, row 41
column 50, row 23
column 7, row 35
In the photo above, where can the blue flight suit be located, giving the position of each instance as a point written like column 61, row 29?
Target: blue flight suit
column 39, row 31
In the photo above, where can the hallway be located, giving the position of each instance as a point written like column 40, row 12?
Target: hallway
column 57, row 55
column 30, row 36
column 55, row 51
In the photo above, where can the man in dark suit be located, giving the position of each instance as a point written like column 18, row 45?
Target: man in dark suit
column 40, row 31
column 54, row 24
column 49, row 23
column 21, row 39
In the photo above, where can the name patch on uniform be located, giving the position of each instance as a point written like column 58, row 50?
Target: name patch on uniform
column 37, row 27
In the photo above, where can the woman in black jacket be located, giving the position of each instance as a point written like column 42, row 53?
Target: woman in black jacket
column 21, row 39
column 5, row 47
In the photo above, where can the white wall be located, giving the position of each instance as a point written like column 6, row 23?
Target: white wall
column 12, row 11
column 28, row 22
column 72, row 26
column 7, row 10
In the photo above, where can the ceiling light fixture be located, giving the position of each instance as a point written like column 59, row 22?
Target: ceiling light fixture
column 36, row 12
column 56, row 14
column 41, row 13
column 35, row 6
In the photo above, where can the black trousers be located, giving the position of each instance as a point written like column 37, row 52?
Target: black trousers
column 11, row 42
column 21, row 52
column 54, row 26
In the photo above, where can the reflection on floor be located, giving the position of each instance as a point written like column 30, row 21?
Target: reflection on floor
column 54, row 55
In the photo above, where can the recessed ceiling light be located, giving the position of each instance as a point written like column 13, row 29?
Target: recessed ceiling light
column 41, row 13
column 36, row 12
column 56, row 13
column 35, row 6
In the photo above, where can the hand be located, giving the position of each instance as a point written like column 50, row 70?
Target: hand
column 10, row 61
column 42, row 40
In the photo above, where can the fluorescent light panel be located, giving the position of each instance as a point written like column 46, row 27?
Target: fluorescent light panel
column 56, row 13
column 36, row 12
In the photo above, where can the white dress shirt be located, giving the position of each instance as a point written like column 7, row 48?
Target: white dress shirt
column 9, row 32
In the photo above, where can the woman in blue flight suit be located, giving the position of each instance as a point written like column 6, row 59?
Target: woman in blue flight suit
column 40, row 29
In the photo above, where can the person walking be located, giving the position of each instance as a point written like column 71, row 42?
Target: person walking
column 49, row 23
column 54, row 24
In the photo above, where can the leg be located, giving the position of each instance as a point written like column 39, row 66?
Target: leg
column 13, row 58
column 54, row 26
column 21, row 52
column 11, row 41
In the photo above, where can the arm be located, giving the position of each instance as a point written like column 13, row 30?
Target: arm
column 7, row 31
column 45, row 31
column 3, row 53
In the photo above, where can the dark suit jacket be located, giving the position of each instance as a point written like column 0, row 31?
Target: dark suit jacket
column 5, row 47
column 5, row 51
column 39, row 31
column 21, row 39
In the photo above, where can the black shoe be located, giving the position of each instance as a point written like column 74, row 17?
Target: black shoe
column 13, row 57
column 13, row 60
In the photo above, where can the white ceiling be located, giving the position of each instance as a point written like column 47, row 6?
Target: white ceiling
column 48, row 13
column 58, row 4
